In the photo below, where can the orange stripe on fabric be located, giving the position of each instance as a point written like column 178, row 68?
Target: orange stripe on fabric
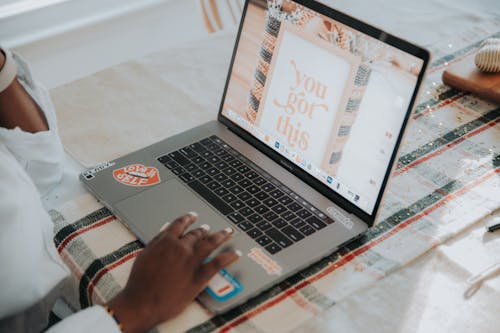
column 350, row 256
column 104, row 270
column 83, row 230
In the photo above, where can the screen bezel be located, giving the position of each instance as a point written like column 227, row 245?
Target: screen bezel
column 371, row 31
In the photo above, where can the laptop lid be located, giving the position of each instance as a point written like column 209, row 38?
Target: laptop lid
column 323, row 94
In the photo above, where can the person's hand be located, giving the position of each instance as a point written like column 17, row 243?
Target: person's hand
column 169, row 274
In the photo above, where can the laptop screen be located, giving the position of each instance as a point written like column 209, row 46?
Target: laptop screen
column 329, row 98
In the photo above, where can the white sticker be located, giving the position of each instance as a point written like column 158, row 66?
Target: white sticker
column 90, row 173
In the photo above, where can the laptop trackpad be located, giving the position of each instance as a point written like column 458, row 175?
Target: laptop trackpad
column 146, row 212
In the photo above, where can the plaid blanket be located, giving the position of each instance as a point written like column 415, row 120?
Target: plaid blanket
column 447, row 179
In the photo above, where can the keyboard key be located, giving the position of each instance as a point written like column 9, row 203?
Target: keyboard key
column 205, row 179
column 163, row 159
column 205, row 166
column 198, row 173
column 288, row 215
column 328, row 220
column 264, row 240
column 276, row 194
column 229, row 198
column 197, row 147
column 236, row 189
column 178, row 171
column 212, row 171
column 198, row 160
column 292, row 233
column 270, row 202
column 221, row 191
column 206, row 141
column 210, row 197
column 236, row 217
column 261, row 209
column 261, row 196
column 246, row 211
column 280, row 223
column 229, row 171
column 316, row 223
column 221, row 165
column 220, row 177
column 171, row 164
column 279, row 209
column 245, row 225
column 270, row 216
column 245, row 183
column 227, row 158
column 253, row 202
column 255, row 218
column 307, row 230
column 251, row 174
column 213, row 185
column 264, row 225
column 268, row 187
column 243, row 169
column 303, row 214
column 297, row 223
column 235, row 163
column 259, row 181
column 191, row 167
column 186, row 177
column 278, row 237
column 227, row 183
column 254, row 233
column 244, row 196
column 273, row 248
column 253, row 189
column 219, row 152
column 188, row 152
column 294, row 207
column 179, row 158
column 237, row 177
column 285, row 200
column 207, row 154
column 237, row 204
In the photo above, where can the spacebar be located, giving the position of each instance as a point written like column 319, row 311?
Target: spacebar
column 215, row 201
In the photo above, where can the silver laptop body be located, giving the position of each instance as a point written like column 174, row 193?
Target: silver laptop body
column 331, row 206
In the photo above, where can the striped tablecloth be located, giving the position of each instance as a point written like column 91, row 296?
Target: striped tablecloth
column 447, row 179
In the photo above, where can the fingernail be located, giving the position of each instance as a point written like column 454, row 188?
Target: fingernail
column 228, row 230
column 165, row 226
column 193, row 214
column 238, row 253
column 205, row 227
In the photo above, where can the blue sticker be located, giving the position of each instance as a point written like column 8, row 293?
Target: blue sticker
column 223, row 286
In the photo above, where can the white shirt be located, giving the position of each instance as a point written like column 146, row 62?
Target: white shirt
column 30, row 266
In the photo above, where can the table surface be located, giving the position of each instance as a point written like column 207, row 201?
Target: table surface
column 424, row 295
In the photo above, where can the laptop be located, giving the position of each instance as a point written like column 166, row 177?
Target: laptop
column 313, row 112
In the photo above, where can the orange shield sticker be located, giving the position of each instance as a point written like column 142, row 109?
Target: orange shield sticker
column 137, row 175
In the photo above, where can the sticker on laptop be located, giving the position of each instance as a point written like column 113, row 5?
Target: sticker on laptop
column 137, row 175
column 90, row 173
column 223, row 286
column 263, row 260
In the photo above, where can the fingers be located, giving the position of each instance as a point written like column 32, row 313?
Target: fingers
column 178, row 227
column 208, row 270
column 195, row 235
column 207, row 245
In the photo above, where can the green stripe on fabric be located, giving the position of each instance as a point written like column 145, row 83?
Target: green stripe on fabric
column 447, row 138
column 100, row 264
column 82, row 223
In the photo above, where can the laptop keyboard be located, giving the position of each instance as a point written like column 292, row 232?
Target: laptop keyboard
column 256, row 202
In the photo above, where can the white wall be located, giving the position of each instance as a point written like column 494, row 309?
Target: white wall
column 62, row 48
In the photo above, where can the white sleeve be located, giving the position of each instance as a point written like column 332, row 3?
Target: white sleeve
column 94, row 319
column 40, row 154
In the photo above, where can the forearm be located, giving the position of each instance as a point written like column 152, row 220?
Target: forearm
column 18, row 109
